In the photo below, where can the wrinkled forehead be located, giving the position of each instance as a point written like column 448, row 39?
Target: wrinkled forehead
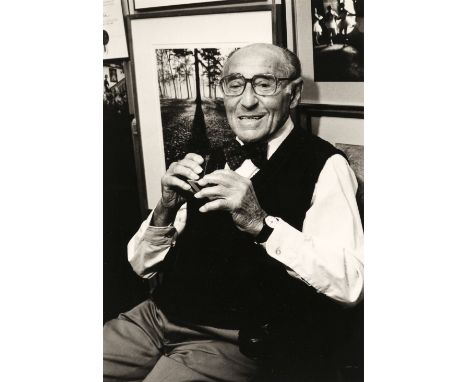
column 249, row 61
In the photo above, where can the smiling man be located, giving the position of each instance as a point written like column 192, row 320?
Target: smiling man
column 257, row 263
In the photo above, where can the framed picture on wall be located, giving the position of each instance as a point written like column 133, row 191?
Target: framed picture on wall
column 144, row 4
column 114, row 38
column 112, row 75
column 329, row 40
column 177, row 66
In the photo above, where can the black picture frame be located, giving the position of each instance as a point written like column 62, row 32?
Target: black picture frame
column 340, row 99
column 113, row 75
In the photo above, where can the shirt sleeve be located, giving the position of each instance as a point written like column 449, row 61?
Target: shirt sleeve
column 150, row 245
column 328, row 253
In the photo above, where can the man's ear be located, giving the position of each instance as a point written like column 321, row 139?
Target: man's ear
column 296, row 86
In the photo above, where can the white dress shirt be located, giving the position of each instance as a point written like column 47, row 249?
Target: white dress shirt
column 327, row 254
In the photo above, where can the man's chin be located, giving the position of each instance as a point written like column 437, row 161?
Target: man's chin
column 251, row 137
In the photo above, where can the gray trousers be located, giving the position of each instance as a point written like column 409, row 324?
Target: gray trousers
column 143, row 345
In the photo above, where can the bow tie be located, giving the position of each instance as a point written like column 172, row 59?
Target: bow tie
column 236, row 154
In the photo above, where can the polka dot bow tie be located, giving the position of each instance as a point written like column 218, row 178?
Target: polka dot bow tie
column 236, row 154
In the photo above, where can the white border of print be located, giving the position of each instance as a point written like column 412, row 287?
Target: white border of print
column 142, row 4
column 215, row 30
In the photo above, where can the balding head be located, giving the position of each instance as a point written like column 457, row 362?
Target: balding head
column 286, row 61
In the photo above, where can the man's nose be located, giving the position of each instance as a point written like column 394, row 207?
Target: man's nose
column 249, row 99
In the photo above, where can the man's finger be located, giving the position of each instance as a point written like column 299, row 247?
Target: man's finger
column 215, row 205
column 191, row 164
column 212, row 192
column 195, row 157
column 181, row 170
column 225, row 178
column 174, row 182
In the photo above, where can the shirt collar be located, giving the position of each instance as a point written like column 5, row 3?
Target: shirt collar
column 277, row 138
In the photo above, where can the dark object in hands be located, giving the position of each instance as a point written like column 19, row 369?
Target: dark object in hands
column 193, row 183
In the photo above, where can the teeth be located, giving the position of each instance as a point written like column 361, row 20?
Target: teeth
column 252, row 117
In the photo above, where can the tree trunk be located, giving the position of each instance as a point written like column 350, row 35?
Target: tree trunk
column 209, row 79
column 180, row 87
column 190, row 87
column 172, row 74
column 197, row 79
column 198, row 142
column 187, row 83
column 164, row 86
column 161, row 94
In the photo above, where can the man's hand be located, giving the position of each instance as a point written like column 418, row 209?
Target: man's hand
column 174, row 187
column 227, row 190
column 173, row 182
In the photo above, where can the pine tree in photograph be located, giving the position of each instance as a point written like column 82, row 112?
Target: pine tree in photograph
column 212, row 63
column 184, row 67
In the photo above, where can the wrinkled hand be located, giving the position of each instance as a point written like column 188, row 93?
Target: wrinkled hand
column 173, row 182
column 226, row 190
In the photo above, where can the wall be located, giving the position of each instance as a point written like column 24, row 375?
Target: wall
column 339, row 130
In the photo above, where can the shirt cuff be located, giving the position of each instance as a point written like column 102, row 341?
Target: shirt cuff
column 279, row 246
column 160, row 235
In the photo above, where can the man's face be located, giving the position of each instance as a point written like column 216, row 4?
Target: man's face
column 253, row 117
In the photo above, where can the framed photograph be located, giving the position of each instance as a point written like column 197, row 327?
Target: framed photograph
column 143, row 4
column 329, row 40
column 114, row 38
column 177, row 65
column 112, row 75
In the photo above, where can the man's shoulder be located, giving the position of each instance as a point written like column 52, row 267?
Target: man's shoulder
column 314, row 146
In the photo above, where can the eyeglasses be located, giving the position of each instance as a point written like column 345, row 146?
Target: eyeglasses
column 262, row 84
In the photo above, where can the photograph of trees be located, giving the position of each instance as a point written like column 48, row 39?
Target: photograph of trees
column 338, row 39
column 192, row 110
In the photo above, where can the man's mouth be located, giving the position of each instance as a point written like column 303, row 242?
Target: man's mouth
column 250, row 117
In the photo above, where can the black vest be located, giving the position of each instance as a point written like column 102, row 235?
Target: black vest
column 216, row 275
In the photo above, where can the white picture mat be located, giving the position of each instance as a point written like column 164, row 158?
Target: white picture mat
column 338, row 93
column 139, row 4
column 178, row 32
column 114, row 25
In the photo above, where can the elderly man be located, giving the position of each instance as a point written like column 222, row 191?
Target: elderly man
column 255, row 255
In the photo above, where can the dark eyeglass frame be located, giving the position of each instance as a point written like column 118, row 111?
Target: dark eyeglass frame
column 251, row 80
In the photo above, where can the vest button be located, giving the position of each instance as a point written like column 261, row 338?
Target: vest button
column 278, row 251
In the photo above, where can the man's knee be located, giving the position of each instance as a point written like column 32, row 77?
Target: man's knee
column 131, row 345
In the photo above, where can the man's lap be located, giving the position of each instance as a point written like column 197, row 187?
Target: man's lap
column 144, row 343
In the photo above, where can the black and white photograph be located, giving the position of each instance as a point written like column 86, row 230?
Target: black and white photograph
column 191, row 100
column 113, row 74
column 233, row 30
column 338, row 39
column 115, row 91
column 206, row 222
column 250, row 237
